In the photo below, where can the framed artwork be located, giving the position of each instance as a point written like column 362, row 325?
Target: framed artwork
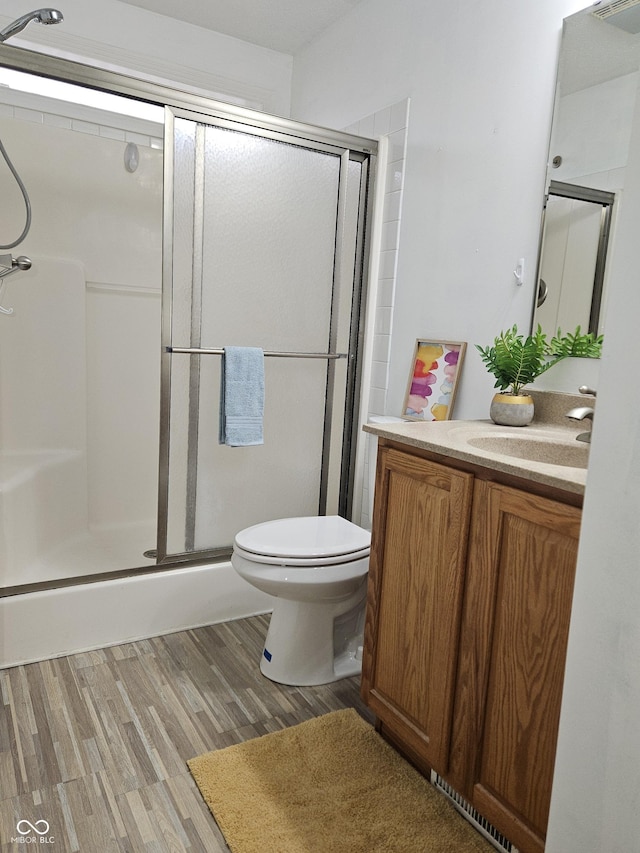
column 435, row 370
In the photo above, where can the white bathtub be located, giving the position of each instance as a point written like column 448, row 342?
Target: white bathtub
column 45, row 536
column 73, row 619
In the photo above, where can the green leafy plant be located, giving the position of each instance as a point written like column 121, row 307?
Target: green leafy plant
column 516, row 360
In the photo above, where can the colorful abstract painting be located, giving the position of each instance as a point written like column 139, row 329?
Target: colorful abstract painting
column 434, row 377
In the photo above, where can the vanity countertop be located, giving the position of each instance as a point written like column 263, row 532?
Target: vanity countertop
column 478, row 442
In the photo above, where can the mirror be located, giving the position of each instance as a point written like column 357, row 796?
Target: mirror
column 575, row 238
column 598, row 79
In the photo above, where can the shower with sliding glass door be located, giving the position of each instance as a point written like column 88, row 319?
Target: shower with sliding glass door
column 265, row 250
column 227, row 228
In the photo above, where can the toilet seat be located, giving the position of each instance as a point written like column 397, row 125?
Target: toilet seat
column 305, row 541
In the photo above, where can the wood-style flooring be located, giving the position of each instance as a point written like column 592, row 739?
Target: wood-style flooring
column 95, row 744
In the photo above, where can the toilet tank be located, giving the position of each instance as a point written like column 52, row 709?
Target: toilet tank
column 372, row 453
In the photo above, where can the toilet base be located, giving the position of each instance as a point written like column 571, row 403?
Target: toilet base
column 306, row 643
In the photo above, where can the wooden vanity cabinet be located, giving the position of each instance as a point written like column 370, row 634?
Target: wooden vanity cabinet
column 469, row 603
column 414, row 605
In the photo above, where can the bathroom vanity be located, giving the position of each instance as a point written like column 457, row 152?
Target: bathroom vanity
column 472, row 566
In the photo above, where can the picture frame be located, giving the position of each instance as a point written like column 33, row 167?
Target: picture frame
column 433, row 381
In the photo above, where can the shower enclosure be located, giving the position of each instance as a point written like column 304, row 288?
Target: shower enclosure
column 234, row 228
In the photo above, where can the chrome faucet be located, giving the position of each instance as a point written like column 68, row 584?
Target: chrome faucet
column 583, row 413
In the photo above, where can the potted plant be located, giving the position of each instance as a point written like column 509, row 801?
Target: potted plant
column 516, row 360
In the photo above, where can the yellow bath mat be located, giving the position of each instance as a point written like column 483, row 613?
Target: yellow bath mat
column 328, row 785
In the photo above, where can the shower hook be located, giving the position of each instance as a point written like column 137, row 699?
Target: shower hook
column 9, row 265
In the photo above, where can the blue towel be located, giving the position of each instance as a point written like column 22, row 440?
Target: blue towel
column 242, row 396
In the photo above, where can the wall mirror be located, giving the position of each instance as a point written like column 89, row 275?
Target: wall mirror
column 575, row 239
column 598, row 78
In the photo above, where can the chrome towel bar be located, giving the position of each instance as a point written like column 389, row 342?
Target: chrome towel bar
column 220, row 351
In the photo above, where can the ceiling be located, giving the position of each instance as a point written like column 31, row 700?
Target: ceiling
column 283, row 25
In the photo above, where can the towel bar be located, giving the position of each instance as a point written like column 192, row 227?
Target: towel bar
column 220, row 351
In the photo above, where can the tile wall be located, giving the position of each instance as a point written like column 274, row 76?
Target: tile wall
column 80, row 118
column 392, row 124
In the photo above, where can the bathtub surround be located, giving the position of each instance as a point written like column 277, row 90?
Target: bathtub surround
column 60, row 472
column 78, row 474
column 332, row 784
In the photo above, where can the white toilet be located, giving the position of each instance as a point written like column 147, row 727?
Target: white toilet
column 316, row 567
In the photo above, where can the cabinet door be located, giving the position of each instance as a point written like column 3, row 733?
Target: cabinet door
column 521, row 568
column 416, row 579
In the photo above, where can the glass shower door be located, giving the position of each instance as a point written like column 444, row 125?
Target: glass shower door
column 264, row 248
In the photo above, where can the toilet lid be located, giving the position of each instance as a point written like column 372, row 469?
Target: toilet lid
column 310, row 538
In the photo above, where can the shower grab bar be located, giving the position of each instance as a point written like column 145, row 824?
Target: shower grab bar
column 220, row 351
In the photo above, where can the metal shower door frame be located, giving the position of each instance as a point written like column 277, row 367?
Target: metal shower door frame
column 321, row 140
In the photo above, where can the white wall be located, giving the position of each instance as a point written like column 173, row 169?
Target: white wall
column 119, row 37
column 596, row 792
column 481, row 78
